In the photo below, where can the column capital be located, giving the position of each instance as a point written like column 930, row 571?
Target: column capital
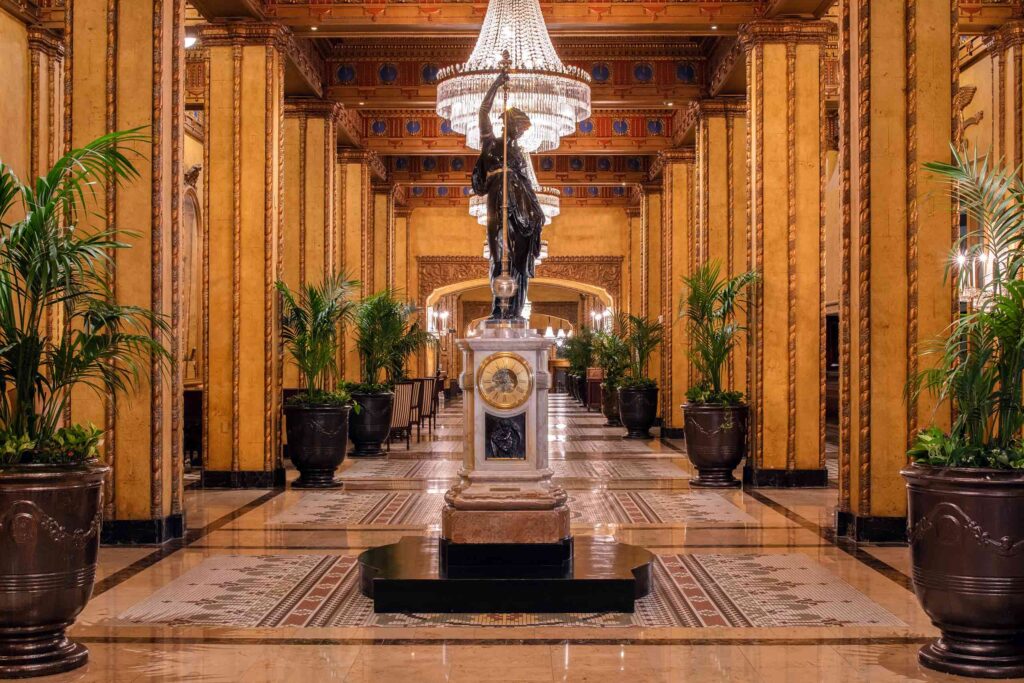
column 244, row 33
column 302, row 106
column 362, row 156
column 681, row 155
column 786, row 31
column 44, row 41
column 686, row 119
column 1010, row 34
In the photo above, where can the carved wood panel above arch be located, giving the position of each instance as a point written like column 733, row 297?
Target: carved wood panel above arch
column 598, row 271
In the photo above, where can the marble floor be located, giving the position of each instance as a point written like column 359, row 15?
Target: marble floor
column 751, row 585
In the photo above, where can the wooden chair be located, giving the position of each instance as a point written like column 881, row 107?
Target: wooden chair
column 401, row 413
column 417, row 405
column 429, row 402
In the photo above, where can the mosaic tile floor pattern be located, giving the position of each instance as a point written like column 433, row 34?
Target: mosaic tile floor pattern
column 697, row 591
column 345, row 509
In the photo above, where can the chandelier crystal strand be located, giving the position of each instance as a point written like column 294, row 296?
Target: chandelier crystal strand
column 555, row 96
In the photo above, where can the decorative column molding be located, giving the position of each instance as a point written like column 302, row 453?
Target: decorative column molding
column 46, row 137
column 309, row 238
column 1008, row 93
column 355, row 173
column 244, row 124
column 132, row 78
column 677, row 259
column 897, row 230
column 787, row 173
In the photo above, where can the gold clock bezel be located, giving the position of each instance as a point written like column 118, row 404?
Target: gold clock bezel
column 505, row 405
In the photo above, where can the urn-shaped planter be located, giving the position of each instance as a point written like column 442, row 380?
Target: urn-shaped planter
column 317, row 442
column 638, row 408
column 716, row 438
column 50, row 519
column 610, row 407
column 966, row 533
column 370, row 427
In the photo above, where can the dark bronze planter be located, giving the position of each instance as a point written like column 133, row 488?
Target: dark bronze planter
column 317, row 442
column 638, row 408
column 716, row 439
column 370, row 427
column 50, row 521
column 581, row 389
column 966, row 532
column 610, row 406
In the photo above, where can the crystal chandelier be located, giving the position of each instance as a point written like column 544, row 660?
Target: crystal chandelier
column 553, row 95
column 537, row 261
column 549, row 198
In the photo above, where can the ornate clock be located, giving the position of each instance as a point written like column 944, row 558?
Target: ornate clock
column 504, row 380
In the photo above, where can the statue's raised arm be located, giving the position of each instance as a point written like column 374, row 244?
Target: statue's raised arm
column 486, row 132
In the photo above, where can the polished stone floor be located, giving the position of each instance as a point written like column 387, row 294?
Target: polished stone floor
column 750, row 584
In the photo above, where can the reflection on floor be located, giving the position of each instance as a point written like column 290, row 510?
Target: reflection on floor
column 750, row 585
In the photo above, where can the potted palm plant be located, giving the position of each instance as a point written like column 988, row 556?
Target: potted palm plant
column 579, row 351
column 966, row 484
column 317, row 418
column 59, row 328
column 638, row 393
column 715, row 418
column 612, row 355
column 387, row 333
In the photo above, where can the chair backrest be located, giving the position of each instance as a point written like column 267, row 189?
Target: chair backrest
column 401, row 414
column 417, row 398
column 429, row 396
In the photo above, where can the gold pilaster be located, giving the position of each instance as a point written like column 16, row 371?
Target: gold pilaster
column 785, row 64
column 244, row 107
column 1008, row 93
column 129, row 75
column 896, row 234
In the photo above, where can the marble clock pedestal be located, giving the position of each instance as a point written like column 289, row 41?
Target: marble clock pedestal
column 506, row 542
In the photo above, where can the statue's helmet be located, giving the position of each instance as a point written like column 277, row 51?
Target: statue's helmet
column 518, row 120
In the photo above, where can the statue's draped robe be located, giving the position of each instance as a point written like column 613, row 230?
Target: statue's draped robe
column 525, row 217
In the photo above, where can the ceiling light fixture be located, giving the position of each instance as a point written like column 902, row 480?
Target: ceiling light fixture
column 555, row 96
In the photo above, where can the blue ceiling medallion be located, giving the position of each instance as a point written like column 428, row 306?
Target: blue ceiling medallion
column 593, row 191
column 643, row 73
column 685, row 72
column 619, row 191
column 429, row 163
column 576, row 163
column 388, row 73
column 446, row 127
column 586, row 126
column 547, row 163
column 417, row 191
column 412, row 127
column 401, row 163
column 346, row 73
column 466, row 191
column 567, row 191
column 429, row 73
column 604, row 164
column 620, row 126
column 379, row 127
column 458, row 163
column 655, row 126
column 635, row 163
column 600, row 72
column 442, row 192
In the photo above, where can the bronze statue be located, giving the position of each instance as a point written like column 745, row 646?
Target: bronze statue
column 525, row 217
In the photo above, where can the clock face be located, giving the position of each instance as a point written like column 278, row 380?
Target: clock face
column 504, row 380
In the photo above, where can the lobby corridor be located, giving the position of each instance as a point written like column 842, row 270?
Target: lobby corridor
column 749, row 585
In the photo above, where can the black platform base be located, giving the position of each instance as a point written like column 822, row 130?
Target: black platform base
column 407, row 576
column 505, row 560
column 786, row 479
column 871, row 528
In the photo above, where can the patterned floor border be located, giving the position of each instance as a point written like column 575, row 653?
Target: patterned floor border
column 696, row 591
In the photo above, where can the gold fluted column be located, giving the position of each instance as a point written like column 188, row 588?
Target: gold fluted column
column 677, row 260
column 309, row 236
column 635, row 215
column 401, row 278
column 354, row 175
column 653, row 275
column 721, row 202
column 787, row 171
column 244, row 106
column 125, row 69
column 382, row 254
column 1008, row 93
column 897, row 230
column 46, row 121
